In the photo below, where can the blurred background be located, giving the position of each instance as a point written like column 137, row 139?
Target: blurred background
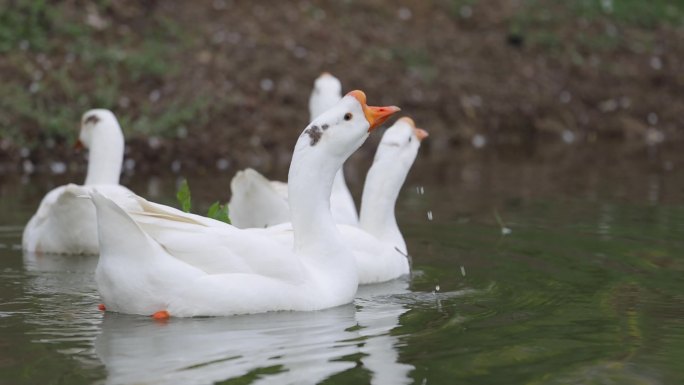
column 214, row 86
column 547, row 205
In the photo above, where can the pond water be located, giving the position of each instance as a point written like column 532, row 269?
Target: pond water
column 524, row 272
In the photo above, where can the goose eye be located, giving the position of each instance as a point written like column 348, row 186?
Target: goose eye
column 347, row 116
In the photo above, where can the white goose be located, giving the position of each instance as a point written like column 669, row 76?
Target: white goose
column 393, row 159
column 65, row 223
column 163, row 262
column 257, row 202
column 378, row 245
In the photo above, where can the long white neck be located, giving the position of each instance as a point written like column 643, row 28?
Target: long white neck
column 342, row 203
column 106, row 155
column 309, row 186
column 380, row 192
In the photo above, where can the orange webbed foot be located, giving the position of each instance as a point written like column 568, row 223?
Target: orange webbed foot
column 161, row 315
column 101, row 307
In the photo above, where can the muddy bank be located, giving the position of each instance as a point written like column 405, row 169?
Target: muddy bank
column 221, row 85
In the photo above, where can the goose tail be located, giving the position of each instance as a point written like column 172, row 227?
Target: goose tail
column 117, row 232
column 255, row 202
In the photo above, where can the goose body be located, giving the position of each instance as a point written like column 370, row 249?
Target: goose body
column 159, row 259
column 257, row 202
column 65, row 222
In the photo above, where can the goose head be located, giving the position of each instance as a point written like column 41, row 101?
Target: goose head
column 401, row 142
column 97, row 123
column 320, row 151
column 102, row 135
column 343, row 128
column 326, row 92
column 395, row 155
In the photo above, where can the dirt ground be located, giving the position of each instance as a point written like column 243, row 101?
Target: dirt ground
column 208, row 85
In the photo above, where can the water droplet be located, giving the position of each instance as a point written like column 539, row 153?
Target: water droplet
column 27, row 166
column 466, row 11
column 154, row 187
column 234, row 37
column 625, row 102
column 124, row 102
column 182, row 132
column 222, row 164
column 218, row 37
column 608, row 105
column 319, row 14
column 58, row 167
column 219, row 4
column 154, row 142
column 568, row 136
column 565, row 97
column 479, row 141
column 654, row 136
column 34, row 87
column 607, row 6
column 300, row 52
column 656, row 63
column 154, row 96
column 404, row 13
column 129, row 164
column 266, row 84
column 429, row 215
column 176, row 166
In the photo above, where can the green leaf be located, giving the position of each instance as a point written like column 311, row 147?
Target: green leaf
column 183, row 196
column 219, row 212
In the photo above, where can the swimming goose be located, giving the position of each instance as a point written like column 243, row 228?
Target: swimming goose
column 378, row 244
column 163, row 262
column 65, row 223
column 393, row 159
column 257, row 202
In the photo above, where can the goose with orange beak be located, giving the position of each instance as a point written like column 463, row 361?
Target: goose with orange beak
column 163, row 262
column 64, row 222
column 256, row 202
column 378, row 244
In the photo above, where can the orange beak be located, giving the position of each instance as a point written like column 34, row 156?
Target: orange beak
column 78, row 145
column 374, row 115
column 420, row 133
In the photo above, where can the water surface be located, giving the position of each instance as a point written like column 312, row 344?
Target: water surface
column 524, row 273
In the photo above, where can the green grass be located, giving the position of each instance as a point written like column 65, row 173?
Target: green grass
column 644, row 13
column 88, row 69
column 542, row 23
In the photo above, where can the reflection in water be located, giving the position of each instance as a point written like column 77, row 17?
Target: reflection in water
column 282, row 347
column 296, row 345
column 64, row 296
column 587, row 289
column 378, row 315
column 605, row 221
